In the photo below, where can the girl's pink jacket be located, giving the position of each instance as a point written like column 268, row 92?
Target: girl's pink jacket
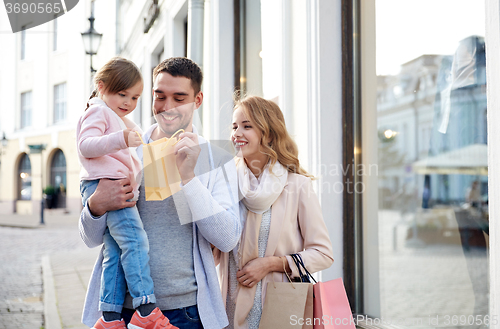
column 102, row 150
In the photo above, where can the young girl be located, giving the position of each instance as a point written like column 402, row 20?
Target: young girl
column 106, row 142
column 281, row 212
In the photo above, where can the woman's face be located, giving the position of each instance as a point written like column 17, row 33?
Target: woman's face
column 245, row 136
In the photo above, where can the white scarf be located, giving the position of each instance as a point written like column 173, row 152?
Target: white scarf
column 259, row 194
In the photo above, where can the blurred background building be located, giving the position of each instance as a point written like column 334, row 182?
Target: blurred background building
column 44, row 82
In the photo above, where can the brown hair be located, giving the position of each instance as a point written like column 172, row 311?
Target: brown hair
column 268, row 118
column 116, row 75
column 183, row 67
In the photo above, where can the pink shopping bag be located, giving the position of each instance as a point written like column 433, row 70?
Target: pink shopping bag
column 331, row 306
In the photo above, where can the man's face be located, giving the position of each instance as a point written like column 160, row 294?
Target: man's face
column 174, row 102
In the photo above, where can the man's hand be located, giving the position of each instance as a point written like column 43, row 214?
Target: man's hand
column 110, row 195
column 186, row 153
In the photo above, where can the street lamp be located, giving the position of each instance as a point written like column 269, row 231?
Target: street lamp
column 91, row 39
column 38, row 149
column 5, row 142
column 387, row 135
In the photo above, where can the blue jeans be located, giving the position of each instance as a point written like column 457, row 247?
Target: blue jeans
column 184, row 318
column 126, row 259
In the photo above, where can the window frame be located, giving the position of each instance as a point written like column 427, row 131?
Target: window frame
column 352, row 154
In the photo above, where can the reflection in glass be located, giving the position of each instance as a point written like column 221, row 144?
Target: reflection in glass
column 433, row 197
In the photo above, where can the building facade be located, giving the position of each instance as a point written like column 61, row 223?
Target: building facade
column 42, row 87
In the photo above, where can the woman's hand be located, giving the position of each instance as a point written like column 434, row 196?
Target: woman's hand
column 254, row 271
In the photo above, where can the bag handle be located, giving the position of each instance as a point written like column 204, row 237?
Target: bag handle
column 140, row 137
column 168, row 139
column 171, row 137
column 297, row 258
column 302, row 276
column 283, row 258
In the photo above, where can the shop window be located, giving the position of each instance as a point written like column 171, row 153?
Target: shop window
column 433, row 223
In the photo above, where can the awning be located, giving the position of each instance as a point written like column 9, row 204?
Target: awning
column 469, row 160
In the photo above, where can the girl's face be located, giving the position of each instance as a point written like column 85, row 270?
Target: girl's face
column 245, row 136
column 123, row 102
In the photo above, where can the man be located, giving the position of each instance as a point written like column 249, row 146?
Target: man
column 473, row 195
column 182, row 267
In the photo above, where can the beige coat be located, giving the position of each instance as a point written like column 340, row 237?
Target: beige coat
column 297, row 226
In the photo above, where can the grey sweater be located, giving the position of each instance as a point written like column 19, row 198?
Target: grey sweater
column 170, row 252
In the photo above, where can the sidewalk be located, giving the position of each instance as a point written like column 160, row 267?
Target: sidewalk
column 65, row 273
column 64, row 296
column 52, row 218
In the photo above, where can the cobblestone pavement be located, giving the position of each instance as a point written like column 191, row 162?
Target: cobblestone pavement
column 21, row 251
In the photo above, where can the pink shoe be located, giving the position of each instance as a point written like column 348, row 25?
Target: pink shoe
column 155, row 320
column 102, row 324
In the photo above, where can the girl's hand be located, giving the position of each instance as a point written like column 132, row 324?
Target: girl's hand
column 254, row 271
column 131, row 138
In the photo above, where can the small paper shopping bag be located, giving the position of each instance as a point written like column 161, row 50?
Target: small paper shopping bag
column 331, row 306
column 287, row 305
column 161, row 177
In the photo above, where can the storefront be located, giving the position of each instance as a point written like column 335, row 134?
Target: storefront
column 389, row 109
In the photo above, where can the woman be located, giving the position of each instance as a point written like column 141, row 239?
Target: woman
column 280, row 210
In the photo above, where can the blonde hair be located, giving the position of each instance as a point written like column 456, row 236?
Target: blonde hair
column 267, row 117
column 116, row 75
